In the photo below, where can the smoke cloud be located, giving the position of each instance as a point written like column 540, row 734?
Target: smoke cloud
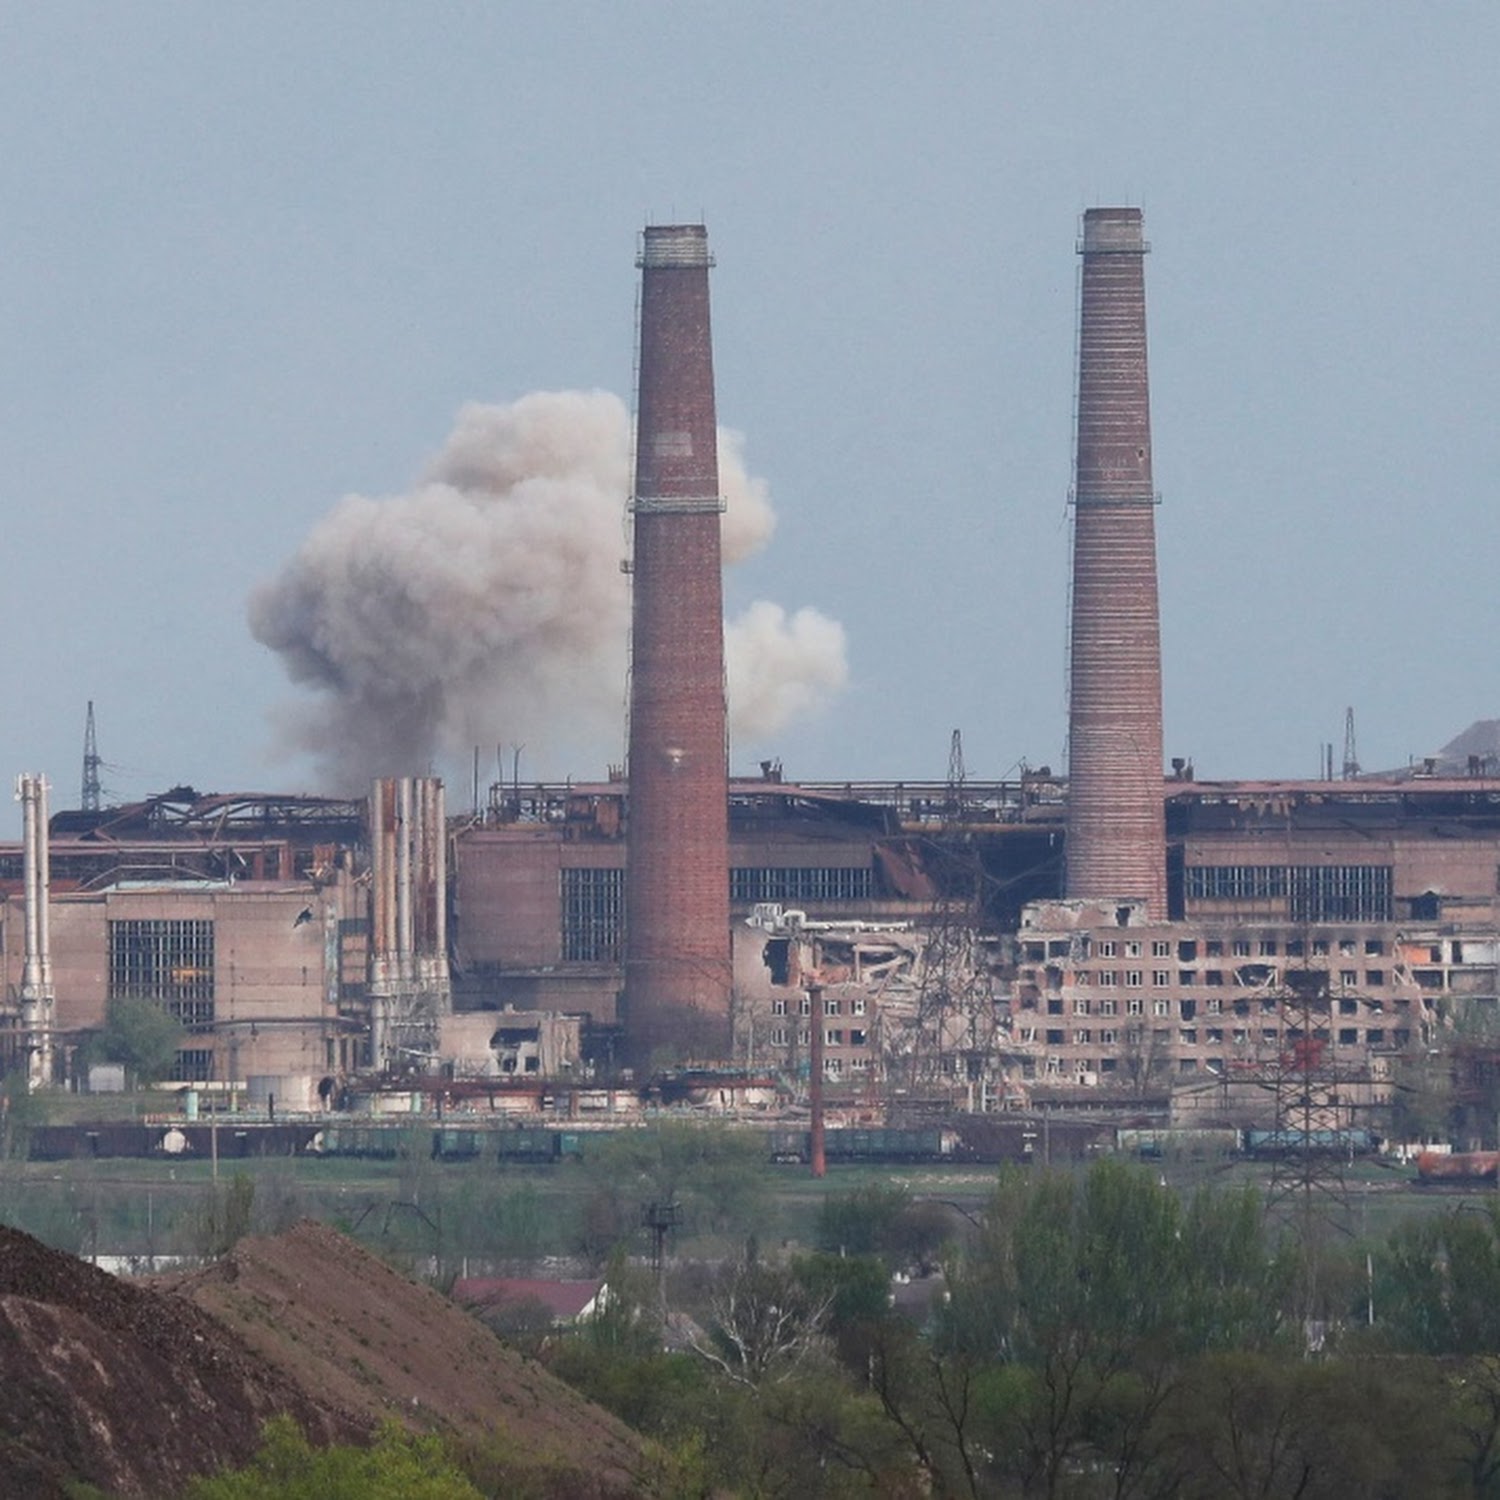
column 486, row 605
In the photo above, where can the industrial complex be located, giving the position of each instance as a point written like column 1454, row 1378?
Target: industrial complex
column 1120, row 940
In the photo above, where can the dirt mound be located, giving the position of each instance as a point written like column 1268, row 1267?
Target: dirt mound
column 339, row 1322
column 131, row 1388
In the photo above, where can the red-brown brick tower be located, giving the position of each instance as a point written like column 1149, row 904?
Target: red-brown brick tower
column 677, row 957
column 1116, row 848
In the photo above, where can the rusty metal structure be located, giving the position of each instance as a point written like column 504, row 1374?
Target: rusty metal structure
column 677, row 958
column 1116, row 841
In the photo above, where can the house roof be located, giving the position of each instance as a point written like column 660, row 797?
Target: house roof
column 563, row 1299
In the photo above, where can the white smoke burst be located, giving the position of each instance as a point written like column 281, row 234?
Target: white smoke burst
column 487, row 603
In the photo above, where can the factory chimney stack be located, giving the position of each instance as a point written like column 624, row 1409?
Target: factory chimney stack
column 1116, row 838
column 677, row 956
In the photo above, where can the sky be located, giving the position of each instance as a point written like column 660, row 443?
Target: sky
column 258, row 259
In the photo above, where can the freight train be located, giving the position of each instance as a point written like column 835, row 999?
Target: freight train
column 978, row 1140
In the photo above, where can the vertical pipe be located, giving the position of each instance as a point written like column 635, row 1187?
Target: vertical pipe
column 817, row 1152
column 30, row 972
column 379, row 973
column 44, row 926
column 677, row 959
column 36, row 970
column 440, row 883
column 403, row 880
column 1116, row 838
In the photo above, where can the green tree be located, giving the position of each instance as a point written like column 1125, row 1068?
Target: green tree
column 718, row 1175
column 397, row 1466
column 1437, row 1286
column 224, row 1216
column 1093, row 1293
column 862, row 1221
column 141, row 1036
column 21, row 1111
column 1422, row 1095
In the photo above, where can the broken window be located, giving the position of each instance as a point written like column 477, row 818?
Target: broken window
column 166, row 961
column 790, row 884
column 593, row 908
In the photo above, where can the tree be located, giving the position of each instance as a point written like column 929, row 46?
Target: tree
column 717, row 1174
column 1092, row 1294
column 1422, row 1095
column 766, row 1323
column 397, row 1466
column 140, row 1035
column 1438, row 1283
column 21, row 1111
column 224, row 1216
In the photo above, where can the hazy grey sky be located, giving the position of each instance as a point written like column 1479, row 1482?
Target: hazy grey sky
column 254, row 258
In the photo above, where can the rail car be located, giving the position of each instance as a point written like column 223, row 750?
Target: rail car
column 1267, row 1144
column 1458, row 1169
column 867, row 1145
column 122, row 1139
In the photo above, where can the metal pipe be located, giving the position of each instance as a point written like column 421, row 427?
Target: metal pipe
column 404, row 880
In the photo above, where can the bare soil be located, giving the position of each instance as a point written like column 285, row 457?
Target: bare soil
column 129, row 1388
column 134, row 1388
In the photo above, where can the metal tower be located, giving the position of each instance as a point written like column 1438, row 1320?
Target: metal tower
column 89, row 797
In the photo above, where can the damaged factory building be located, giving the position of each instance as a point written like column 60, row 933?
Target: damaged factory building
column 1113, row 938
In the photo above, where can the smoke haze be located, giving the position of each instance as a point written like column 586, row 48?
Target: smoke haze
column 487, row 604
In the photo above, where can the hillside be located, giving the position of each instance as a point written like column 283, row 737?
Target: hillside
column 129, row 1388
column 336, row 1320
column 136, row 1387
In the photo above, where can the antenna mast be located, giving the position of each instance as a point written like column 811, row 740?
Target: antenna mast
column 90, row 795
column 1351, row 756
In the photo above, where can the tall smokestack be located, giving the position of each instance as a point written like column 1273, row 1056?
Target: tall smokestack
column 1116, row 846
column 677, row 962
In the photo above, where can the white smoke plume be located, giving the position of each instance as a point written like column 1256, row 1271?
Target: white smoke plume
column 487, row 604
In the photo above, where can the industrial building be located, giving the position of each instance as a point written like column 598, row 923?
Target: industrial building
column 1094, row 939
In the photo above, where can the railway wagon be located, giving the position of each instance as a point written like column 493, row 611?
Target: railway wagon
column 117, row 1139
column 1458, row 1168
column 877, row 1144
column 1264, row 1144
